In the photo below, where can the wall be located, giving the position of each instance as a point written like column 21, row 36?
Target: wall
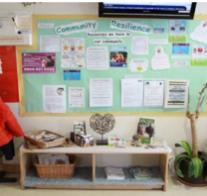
column 170, row 128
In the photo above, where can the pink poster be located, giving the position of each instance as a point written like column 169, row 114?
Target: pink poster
column 39, row 62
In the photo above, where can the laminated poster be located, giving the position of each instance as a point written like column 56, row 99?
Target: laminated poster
column 39, row 62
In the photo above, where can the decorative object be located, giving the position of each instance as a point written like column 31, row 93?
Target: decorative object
column 190, row 165
column 145, row 131
column 117, row 141
column 83, row 140
column 79, row 135
column 43, row 139
column 102, row 124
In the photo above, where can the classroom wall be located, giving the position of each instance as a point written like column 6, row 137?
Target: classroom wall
column 171, row 128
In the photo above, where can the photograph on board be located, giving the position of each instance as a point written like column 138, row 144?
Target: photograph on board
column 118, row 57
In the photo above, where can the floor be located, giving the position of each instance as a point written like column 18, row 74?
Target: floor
column 174, row 189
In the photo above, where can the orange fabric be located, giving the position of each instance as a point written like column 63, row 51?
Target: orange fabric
column 9, row 127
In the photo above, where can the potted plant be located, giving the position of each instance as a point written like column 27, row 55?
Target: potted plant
column 190, row 169
column 190, row 165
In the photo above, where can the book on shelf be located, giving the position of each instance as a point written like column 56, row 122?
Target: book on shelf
column 114, row 173
column 141, row 173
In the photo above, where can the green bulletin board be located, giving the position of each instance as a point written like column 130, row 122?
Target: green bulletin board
column 116, row 34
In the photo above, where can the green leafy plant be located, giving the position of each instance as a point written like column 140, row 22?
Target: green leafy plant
column 188, row 165
column 191, row 164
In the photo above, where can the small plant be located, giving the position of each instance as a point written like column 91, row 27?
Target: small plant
column 187, row 165
column 191, row 164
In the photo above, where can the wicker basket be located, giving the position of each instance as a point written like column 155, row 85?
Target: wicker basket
column 56, row 170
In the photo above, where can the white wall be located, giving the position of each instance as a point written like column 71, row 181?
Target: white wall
column 172, row 129
column 68, row 8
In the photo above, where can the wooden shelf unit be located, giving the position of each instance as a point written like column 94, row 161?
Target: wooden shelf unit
column 93, row 181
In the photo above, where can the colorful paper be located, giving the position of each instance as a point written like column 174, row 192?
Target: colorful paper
column 38, row 62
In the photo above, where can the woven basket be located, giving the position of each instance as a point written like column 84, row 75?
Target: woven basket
column 56, row 170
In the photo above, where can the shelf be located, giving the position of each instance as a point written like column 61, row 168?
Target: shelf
column 82, row 179
column 93, row 177
column 100, row 150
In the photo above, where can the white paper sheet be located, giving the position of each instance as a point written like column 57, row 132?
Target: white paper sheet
column 54, row 98
column 200, row 32
column 153, row 93
column 176, row 94
column 97, row 58
column 180, row 62
column 199, row 51
column 131, row 92
column 76, row 97
column 160, row 60
column 140, row 45
column 101, row 92
column 23, row 21
column 139, row 65
column 49, row 43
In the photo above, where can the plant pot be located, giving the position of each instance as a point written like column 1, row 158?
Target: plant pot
column 200, row 182
column 195, row 182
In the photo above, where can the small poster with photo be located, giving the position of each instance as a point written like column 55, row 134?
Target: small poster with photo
column 145, row 130
column 38, row 62
column 118, row 57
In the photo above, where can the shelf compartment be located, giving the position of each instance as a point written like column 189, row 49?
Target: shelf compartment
column 129, row 182
column 82, row 176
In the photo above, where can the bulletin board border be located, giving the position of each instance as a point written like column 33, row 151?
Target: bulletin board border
column 34, row 46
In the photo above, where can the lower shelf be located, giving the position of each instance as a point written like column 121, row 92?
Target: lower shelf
column 83, row 180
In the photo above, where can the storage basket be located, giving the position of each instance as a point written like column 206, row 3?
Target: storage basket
column 56, row 170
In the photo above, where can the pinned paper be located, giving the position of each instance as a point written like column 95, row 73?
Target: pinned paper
column 101, row 92
column 153, row 93
column 200, row 32
column 180, row 62
column 54, row 98
column 131, row 92
column 72, row 53
column 160, row 60
column 178, row 31
column 76, row 98
column 72, row 74
column 139, row 65
column 176, row 94
column 199, row 55
column 97, row 58
column 118, row 56
column 49, row 43
column 180, row 49
column 39, row 62
column 140, row 45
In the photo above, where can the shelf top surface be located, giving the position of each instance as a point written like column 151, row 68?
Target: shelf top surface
column 100, row 150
